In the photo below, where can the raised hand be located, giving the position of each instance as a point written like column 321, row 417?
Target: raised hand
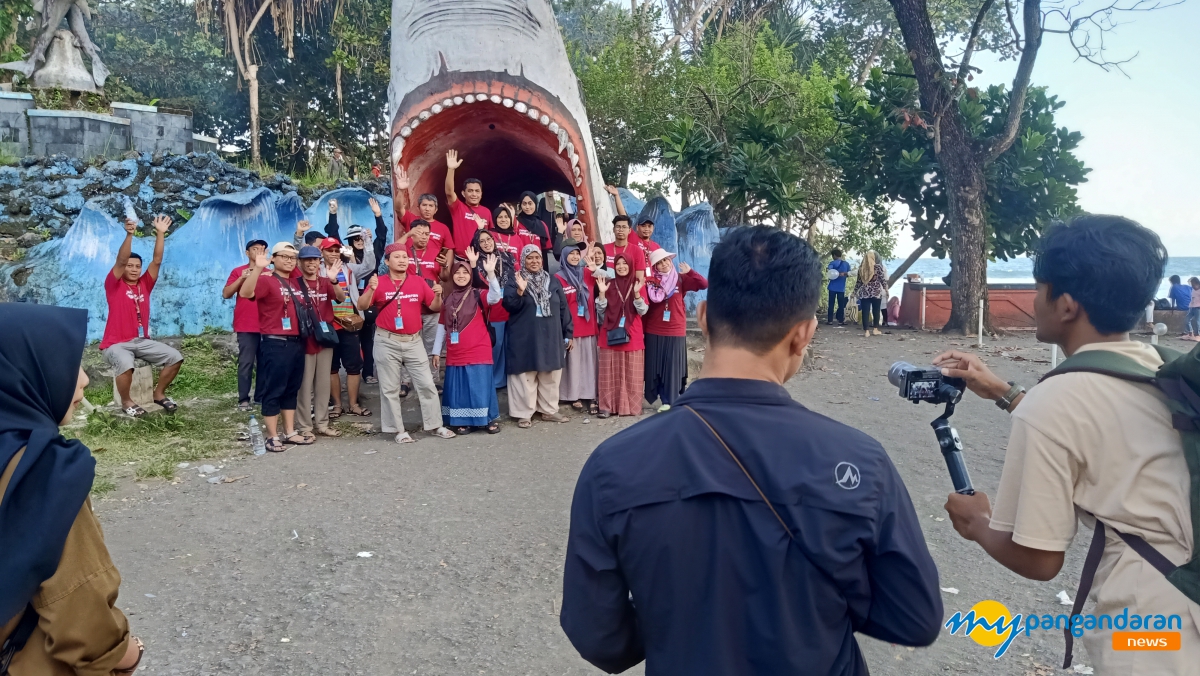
column 334, row 269
column 610, row 189
column 374, row 207
column 374, row 283
column 333, row 206
column 443, row 258
column 472, row 256
column 489, row 264
column 437, row 290
column 130, row 226
column 260, row 261
column 402, row 179
column 366, row 236
column 637, row 287
column 521, row 283
column 602, row 285
column 562, row 224
column 452, row 161
column 162, row 223
column 479, row 221
column 684, row 268
column 303, row 226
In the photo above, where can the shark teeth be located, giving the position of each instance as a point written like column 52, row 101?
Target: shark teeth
column 458, row 100
column 423, row 115
column 521, row 107
column 436, row 108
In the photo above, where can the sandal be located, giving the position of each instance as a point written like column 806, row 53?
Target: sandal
column 603, row 414
column 493, row 427
column 245, row 407
column 135, row 411
column 306, row 439
column 593, row 409
column 274, row 445
column 327, row 432
column 167, row 405
column 524, row 424
column 554, row 418
column 405, row 390
column 462, row 430
column 404, row 438
column 362, row 412
column 443, row 433
column 577, row 405
column 335, row 412
column 371, row 380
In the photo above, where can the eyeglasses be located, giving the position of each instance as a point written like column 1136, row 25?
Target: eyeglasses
column 286, row 257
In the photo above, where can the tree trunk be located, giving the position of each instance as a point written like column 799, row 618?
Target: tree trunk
column 908, row 263
column 965, row 189
column 624, row 182
column 252, row 81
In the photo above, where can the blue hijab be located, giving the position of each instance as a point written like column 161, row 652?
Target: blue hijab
column 41, row 348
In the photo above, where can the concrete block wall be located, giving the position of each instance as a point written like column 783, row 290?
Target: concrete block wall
column 14, row 127
column 77, row 133
column 205, row 144
column 153, row 130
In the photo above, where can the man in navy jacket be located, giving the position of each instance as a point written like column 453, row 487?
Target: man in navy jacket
column 674, row 557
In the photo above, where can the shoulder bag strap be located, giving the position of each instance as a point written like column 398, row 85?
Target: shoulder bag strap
column 744, row 471
column 301, row 318
column 18, row 638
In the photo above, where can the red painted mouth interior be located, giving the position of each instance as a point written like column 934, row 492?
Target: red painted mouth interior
column 506, row 150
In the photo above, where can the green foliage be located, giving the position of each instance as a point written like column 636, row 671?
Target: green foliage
column 886, row 158
column 12, row 12
column 205, row 371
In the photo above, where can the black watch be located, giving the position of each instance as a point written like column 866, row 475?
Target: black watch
column 1014, row 390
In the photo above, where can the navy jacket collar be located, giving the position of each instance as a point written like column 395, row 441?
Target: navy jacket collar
column 726, row 390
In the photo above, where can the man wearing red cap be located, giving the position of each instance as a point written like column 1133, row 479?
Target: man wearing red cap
column 397, row 298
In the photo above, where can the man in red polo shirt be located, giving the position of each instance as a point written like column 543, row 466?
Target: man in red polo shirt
column 623, row 244
column 245, row 325
column 398, row 298
column 644, row 231
column 439, row 234
column 467, row 215
column 127, row 330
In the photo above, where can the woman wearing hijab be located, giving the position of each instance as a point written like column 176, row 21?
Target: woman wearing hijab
column 504, row 231
column 484, row 244
column 533, row 228
column 539, row 333
column 666, row 327
column 578, row 382
column 57, row 581
column 469, row 397
column 620, row 304
column 870, row 290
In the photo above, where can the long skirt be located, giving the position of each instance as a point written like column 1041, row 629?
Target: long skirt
column 579, row 373
column 666, row 367
column 621, row 379
column 468, row 398
column 499, row 377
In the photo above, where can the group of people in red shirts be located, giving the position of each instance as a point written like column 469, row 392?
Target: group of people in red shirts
column 602, row 333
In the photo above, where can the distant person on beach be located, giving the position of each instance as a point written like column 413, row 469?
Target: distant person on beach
column 58, row 583
column 870, row 291
column 715, row 538
column 1180, row 294
column 1192, row 323
column 245, row 326
column 837, row 287
column 1092, row 448
column 127, row 329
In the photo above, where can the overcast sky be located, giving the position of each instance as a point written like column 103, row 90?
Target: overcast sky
column 1141, row 134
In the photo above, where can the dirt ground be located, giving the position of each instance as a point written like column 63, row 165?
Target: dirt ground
column 359, row 556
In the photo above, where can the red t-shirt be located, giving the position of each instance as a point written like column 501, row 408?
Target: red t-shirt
column 632, row 324
column 426, row 259
column 126, row 303
column 647, row 246
column 583, row 327
column 439, row 234
column 414, row 294
column 529, row 236
column 321, row 293
column 677, row 324
column 464, row 228
column 245, row 310
column 632, row 250
column 276, row 313
column 512, row 242
column 474, row 344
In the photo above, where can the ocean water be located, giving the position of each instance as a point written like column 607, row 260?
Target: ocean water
column 1020, row 271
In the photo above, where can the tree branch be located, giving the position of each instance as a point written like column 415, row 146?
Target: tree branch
column 1032, row 16
column 875, row 50
column 1013, row 25
column 254, row 24
column 691, row 23
column 964, row 66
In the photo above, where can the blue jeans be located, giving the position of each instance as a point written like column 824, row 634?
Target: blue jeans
column 1192, row 322
column 838, row 297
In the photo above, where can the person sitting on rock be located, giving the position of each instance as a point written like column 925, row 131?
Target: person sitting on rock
column 127, row 330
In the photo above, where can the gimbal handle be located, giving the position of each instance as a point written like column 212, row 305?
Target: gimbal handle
column 952, row 448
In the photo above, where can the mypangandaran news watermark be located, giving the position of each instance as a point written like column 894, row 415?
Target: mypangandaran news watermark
column 989, row 623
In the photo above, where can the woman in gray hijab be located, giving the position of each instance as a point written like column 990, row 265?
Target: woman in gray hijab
column 539, row 330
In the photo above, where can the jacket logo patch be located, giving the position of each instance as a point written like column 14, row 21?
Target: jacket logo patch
column 846, row 475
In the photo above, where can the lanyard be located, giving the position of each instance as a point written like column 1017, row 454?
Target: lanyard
column 137, row 302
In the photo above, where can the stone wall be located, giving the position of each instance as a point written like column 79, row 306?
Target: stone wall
column 157, row 130
column 14, row 125
column 77, row 133
column 25, row 130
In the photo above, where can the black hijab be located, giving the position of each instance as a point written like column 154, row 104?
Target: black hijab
column 505, row 266
column 534, row 223
column 41, row 347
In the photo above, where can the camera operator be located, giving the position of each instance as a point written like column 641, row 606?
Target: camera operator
column 675, row 555
column 1090, row 446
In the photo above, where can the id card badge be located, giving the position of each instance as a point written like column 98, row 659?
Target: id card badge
column 454, row 337
column 399, row 321
column 141, row 331
column 539, row 311
column 666, row 315
column 324, row 327
column 622, row 324
column 287, row 323
column 580, row 310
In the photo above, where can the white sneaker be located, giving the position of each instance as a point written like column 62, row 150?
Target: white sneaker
column 664, row 408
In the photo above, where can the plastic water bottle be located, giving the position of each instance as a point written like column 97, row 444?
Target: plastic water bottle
column 130, row 213
column 256, row 438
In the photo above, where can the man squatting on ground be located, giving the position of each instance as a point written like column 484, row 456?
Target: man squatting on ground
column 1090, row 447
column 127, row 329
column 680, row 557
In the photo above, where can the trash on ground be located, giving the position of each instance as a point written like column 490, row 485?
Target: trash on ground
column 1064, row 599
column 295, row 535
column 1080, row 669
column 371, row 452
column 216, row 479
column 183, row 465
column 151, row 596
column 365, row 555
column 206, row 469
column 950, row 590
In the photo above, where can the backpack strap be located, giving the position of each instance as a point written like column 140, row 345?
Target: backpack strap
column 1105, row 363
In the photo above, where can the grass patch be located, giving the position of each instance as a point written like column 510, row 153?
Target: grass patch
column 205, row 371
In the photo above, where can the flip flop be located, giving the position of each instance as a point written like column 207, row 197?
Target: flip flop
column 593, row 409
column 404, row 438
column 577, row 405
column 462, row 430
column 443, row 433
column 305, row 439
column 371, row 380
column 329, row 432
column 135, row 411
column 524, row 424
column 336, row 412
column 167, row 405
column 493, row 427
column 362, row 412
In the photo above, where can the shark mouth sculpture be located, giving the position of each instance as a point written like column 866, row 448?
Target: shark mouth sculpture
column 490, row 79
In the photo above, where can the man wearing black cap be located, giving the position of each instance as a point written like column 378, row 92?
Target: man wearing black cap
column 245, row 324
column 645, row 230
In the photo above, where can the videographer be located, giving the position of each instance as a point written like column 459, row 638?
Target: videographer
column 741, row 533
column 1087, row 446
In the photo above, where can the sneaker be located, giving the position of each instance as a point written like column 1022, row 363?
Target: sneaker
column 664, row 408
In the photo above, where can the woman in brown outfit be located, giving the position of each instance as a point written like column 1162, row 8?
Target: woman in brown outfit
column 59, row 584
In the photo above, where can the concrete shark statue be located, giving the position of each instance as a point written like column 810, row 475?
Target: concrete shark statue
column 491, row 79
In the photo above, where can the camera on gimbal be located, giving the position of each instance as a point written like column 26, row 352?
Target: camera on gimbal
column 926, row 383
